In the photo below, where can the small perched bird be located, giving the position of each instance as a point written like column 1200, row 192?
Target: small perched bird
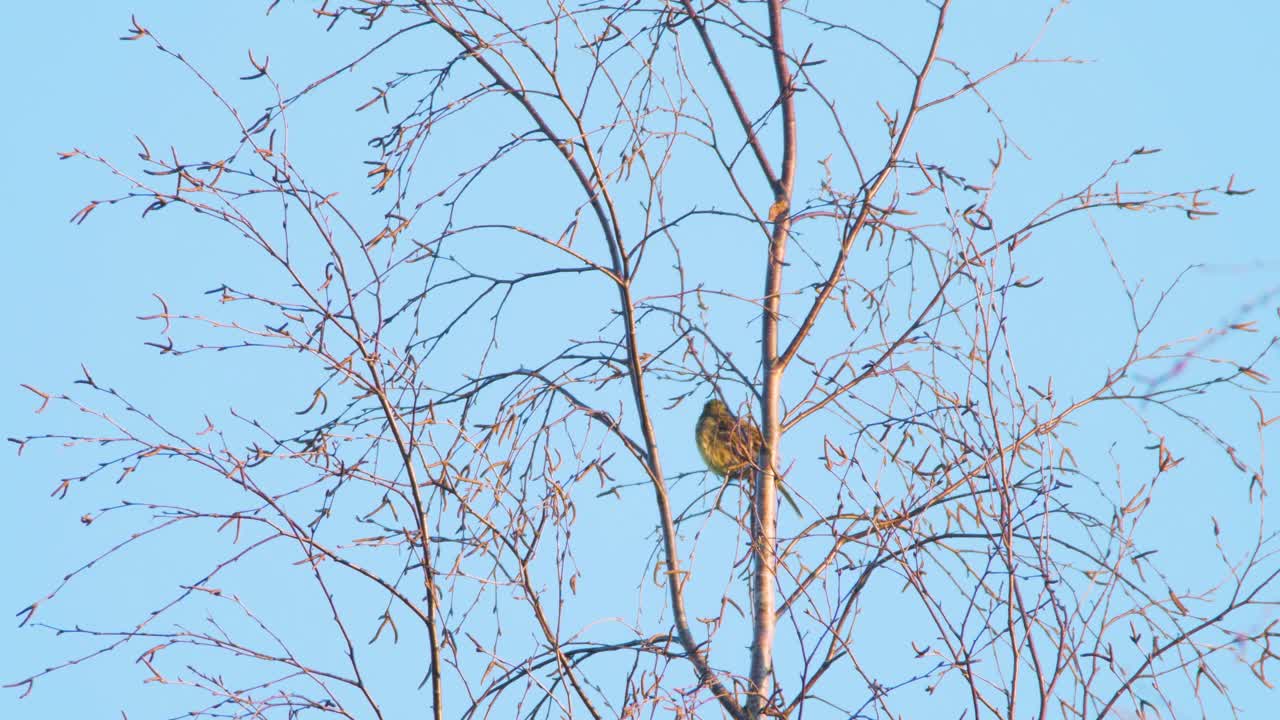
column 730, row 446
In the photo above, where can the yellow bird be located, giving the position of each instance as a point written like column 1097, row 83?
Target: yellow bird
column 730, row 446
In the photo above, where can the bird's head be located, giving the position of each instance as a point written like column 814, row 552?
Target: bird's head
column 714, row 407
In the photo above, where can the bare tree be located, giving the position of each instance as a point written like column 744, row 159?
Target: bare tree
column 475, row 510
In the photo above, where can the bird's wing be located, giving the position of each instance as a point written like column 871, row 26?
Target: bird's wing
column 744, row 440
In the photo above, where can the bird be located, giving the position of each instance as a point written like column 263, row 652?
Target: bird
column 730, row 445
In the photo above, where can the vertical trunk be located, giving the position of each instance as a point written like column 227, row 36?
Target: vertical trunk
column 764, row 505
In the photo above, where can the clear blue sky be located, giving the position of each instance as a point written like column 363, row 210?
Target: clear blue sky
column 1198, row 82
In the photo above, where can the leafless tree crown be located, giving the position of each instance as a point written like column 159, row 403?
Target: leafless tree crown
column 587, row 218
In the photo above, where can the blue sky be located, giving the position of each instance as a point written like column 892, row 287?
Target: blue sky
column 1196, row 82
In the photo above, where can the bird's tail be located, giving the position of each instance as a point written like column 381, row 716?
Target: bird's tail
column 786, row 495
